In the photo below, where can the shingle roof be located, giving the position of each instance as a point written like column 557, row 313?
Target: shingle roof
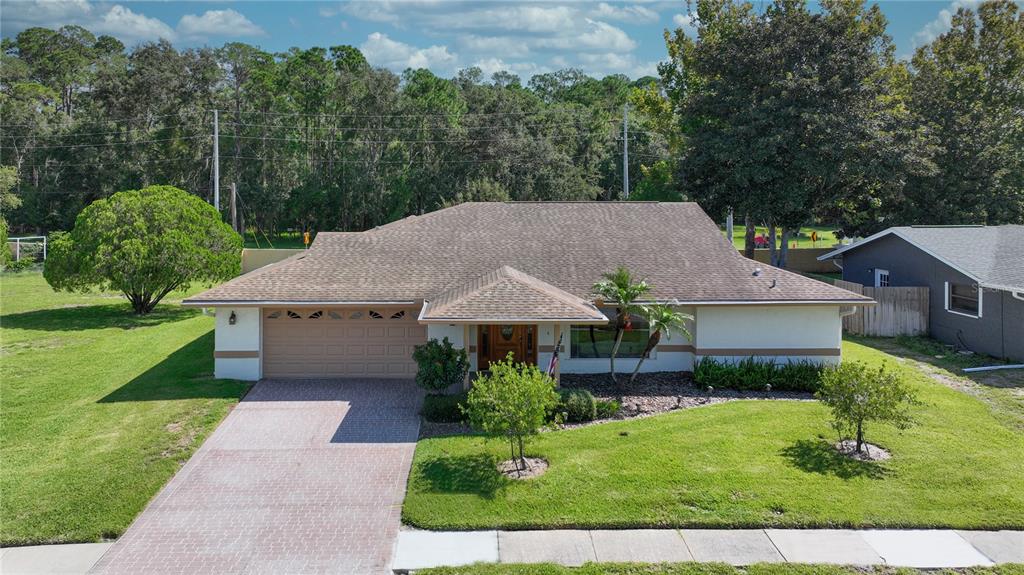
column 507, row 294
column 674, row 246
column 992, row 255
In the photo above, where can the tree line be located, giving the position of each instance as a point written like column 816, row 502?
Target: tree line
column 784, row 115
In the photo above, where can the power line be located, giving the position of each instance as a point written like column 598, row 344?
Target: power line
column 400, row 141
column 76, row 134
column 60, row 164
column 104, row 144
column 125, row 119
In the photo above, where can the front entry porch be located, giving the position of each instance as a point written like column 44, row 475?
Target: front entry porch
column 496, row 342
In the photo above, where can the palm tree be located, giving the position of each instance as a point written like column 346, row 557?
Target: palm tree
column 661, row 319
column 619, row 287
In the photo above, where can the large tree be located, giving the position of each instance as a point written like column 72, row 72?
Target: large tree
column 968, row 93
column 145, row 244
column 788, row 112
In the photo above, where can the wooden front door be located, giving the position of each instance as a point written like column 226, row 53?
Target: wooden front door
column 497, row 341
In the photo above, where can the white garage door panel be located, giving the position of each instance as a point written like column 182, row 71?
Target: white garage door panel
column 338, row 342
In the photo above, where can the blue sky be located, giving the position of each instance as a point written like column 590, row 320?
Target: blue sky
column 443, row 35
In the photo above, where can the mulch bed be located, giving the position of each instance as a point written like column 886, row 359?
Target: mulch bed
column 650, row 394
column 663, row 391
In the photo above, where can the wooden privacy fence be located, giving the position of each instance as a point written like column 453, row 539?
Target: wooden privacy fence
column 899, row 311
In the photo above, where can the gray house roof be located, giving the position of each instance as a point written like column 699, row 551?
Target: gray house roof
column 564, row 245
column 992, row 255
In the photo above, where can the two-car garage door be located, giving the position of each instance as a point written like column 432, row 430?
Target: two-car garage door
column 341, row 342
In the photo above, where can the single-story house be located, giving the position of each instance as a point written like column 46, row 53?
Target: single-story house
column 515, row 277
column 975, row 276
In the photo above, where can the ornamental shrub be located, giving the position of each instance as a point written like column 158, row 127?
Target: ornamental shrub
column 754, row 374
column 511, row 402
column 608, row 408
column 444, row 408
column 440, row 365
column 857, row 394
column 577, row 405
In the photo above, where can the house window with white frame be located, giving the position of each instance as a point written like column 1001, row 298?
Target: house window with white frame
column 963, row 299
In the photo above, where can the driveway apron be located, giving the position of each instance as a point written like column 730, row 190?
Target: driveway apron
column 303, row 476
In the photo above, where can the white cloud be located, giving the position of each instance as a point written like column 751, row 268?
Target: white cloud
column 594, row 36
column 616, row 63
column 218, row 23
column 635, row 13
column 380, row 50
column 941, row 24
column 688, row 22
column 115, row 20
column 524, row 18
column 48, row 13
column 524, row 69
column 124, row 24
column 501, row 46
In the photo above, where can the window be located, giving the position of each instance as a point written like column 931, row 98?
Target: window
column 334, row 315
column 293, row 315
column 964, row 299
column 274, row 315
column 398, row 314
column 376, row 315
column 597, row 341
column 316, row 315
column 881, row 277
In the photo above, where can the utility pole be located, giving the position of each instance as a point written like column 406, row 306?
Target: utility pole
column 216, row 162
column 234, row 210
column 728, row 225
column 625, row 152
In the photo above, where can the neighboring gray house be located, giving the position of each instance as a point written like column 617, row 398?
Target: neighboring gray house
column 975, row 275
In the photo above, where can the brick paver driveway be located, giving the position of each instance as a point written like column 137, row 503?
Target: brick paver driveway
column 301, row 477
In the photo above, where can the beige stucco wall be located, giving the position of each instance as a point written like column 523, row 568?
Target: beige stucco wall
column 232, row 341
column 253, row 259
column 780, row 332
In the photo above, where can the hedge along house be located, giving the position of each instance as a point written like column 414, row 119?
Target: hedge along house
column 499, row 278
column 975, row 276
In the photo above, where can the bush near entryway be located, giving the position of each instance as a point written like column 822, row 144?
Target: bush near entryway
column 756, row 374
column 444, row 408
column 513, row 402
column 440, row 365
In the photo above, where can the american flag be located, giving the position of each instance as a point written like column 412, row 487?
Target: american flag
column 554, row 357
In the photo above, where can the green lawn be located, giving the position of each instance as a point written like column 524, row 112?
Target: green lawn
column 739, row 464
column 701, row 569
column 99, row 408
column 826, row 236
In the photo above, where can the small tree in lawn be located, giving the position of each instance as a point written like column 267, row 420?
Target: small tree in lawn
column 661, row 319
column 620, row 287
column 857, row 394
column 440, row 365
column 145, row 244
column 513, row 401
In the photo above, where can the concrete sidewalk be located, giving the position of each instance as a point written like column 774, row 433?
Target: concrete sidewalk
column 910, row 548
column 69, row 559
